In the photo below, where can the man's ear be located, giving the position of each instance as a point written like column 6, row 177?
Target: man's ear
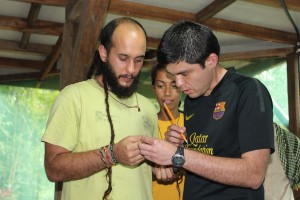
column 212, row 60
column 102, row 53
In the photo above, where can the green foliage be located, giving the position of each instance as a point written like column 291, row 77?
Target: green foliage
column 272, row 73
column 275, row 80
column 24, row 113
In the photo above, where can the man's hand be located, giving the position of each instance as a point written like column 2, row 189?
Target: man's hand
column 164, row 173
column 127, row 151
column 173, row 134
column 157, row 151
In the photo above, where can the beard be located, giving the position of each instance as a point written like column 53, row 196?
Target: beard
column 112, row 80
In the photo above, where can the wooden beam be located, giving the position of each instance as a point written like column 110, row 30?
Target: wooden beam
column 20, row 63
column 293, row 93
column 212, row 9
column 143, row 11
column 23, row 76
column 33, row 13
column 69, row 36
column 32, row 48
column 91, row 21
column 153, row 43
column 19, row 77
column 40, row 27
column 251, row 31
column 280, row 52
column 58, row 187
column 167, row 15
column 60, row 3
column 291, row 4
column 74, row 10
column 32, row 17
column 51, row 59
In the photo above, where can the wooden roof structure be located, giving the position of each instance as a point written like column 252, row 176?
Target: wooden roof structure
column 44, row 38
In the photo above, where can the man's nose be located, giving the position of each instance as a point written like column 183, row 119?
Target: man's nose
column 130, row 67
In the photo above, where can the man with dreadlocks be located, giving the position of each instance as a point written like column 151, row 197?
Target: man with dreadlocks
column 95, row 126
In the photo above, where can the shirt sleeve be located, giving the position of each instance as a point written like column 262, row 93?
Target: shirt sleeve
column 255, row 117
column 62, row 125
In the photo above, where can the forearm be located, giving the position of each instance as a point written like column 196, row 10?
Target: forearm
column 72, row 166
column 248, row 171
column 63, row 165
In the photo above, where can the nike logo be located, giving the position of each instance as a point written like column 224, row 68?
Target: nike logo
column 187, row 118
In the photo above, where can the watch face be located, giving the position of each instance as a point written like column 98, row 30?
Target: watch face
column 178, row 160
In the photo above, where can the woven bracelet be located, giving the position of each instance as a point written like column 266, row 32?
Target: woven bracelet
column 102, row 157
column 111, row 151
column 107, row 155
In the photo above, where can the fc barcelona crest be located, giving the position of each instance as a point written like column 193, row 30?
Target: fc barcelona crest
column 219, row 110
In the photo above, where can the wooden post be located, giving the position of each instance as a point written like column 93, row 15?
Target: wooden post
column 293, row 93
column 79, row 44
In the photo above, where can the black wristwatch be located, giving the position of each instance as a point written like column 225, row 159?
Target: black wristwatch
column 178, row 159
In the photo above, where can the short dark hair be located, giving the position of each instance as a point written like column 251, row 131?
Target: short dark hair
column 157, row 67
column 187, row 41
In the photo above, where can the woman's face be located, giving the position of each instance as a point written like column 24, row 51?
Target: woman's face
column 166, row 90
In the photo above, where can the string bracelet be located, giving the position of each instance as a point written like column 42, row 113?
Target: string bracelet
column 102, row 158
column 107, row 155
column 111, row 150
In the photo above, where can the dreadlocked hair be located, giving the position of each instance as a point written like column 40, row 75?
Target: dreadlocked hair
column 112, row 138
column 95, row 66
